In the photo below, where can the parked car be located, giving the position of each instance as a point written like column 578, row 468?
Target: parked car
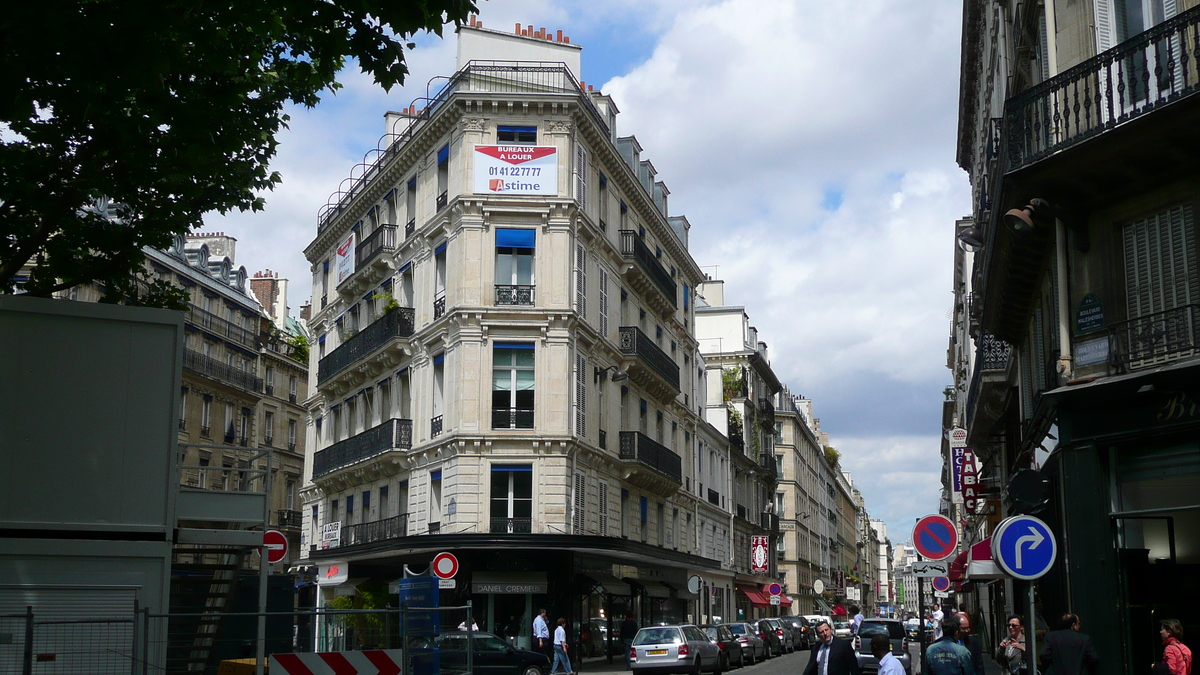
column 800, row 630
column 896, row 633
column 783, row 630
column 814, row 619
column 490, row 654
column 674, row 649
column 591, row 638
column 731, row 649
column 772, row 639
column 842, row 629
column 913, row 628
column 753, row 647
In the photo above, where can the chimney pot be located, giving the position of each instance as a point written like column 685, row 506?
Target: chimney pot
column 479, row 24
column 518, row 31
column 560, row 36
column 566, row 40
column 589, row 87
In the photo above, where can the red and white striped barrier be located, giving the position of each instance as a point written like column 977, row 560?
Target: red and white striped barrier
column 372, row 662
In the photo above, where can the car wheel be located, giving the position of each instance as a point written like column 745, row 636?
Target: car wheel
column 532, row 670
column 721, row 665
column 696, row 667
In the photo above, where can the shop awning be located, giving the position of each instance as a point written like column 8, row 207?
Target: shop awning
column 958, row 566
column 610, row 585
column 980, row 565
column 825, row 608
column 756, row 598
column 655, row 589
column 682, row 592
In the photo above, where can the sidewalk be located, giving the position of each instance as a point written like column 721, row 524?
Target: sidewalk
column 600, row 664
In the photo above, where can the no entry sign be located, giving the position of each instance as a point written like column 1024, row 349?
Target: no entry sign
column 445, row 565
column 935, row 537
column 277, row 546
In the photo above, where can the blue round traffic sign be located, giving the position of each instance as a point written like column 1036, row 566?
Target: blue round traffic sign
column 935, row 537
column 941, row 583
column 1024, row 547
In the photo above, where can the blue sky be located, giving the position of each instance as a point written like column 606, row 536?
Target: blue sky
column 811, row 146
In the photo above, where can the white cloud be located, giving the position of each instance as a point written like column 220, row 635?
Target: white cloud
column 898, row 475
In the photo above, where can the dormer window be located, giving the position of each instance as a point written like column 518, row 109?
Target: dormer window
column 516, row 135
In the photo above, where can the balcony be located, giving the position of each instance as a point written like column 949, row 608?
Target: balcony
column 223, row 372
column 509, row 296
column 767, row 462
column 1155, row 339
column 511, row 525
column 215, row 325
column 410, row 228
column 439, row 306
column 373, row 262
column 288, row 519
column 650, row 464
column 382, row 240
column 651, row 368
column 376, row 530
column 435, row 426
column 442, row 200
column 988, row 392
column 512, row 418
column 770, row 522
column 766, row 410
column 366, row 350
column 647, row 275
column 395, row 434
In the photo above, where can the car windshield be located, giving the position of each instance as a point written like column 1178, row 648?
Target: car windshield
column 841, row 624
column 894, row 631
column 657, row 636
column 711, row 631
column 738, row 628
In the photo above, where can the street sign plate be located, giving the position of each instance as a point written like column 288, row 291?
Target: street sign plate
column 1024, row 547
column 941, row 594
column 941, row 583
column 935, row 537
column 447, row 583
column 774, row 599
column 930, row 568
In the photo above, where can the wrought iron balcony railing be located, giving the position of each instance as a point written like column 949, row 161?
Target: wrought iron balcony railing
column 210, row 367
column 442, row 200
column 435, row 426
column 439, row 306
column 514, row 295
column 993, row 353
column 636, row 343
column 391, row 435
column 766, row 411
column 768, row 462
column 770, row 522
column 511, row 525
column 410, row 228
column 633, row 247
column 214, row 324
column 638, row 447
column 376, row 530
column 1132, row 79
column 394, row 324
column 1155, row 339
column 512, row 418
column 289, row 519
column 383, row 239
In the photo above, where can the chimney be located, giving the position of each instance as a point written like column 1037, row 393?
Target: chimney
column 306, row 311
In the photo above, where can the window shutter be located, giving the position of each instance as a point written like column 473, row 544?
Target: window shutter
column 603, row 276
column 581, row 281
column 581, row 175
column 1104, row 25
column 581, row 395
column 578, row 511
column 602, row 509
column 1160, row 262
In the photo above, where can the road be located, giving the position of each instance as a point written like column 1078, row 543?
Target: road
column 788, row 664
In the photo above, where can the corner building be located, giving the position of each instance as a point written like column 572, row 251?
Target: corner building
column 508, row 373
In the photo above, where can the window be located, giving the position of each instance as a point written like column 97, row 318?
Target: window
column 291, row 435
column 443, row 176
column 435, row 499
column 269, row 380
column 229, row 423
column 333, row 511
column 579, row 504
column 268, row 427
column 289, row 495
column 439, row 393
column 581, row 376
column 1161, row 274
column 366, row 505
column 292, row 389
column 661, row 524
column 183, row 407
column 603, row 282
column 384, row 506
column 602, row 509
column 625, row 513
column 439, row 281
column 510, row 135
column 512, row 385
column 581, row 280
column 602, row 198
column 514, row 266
column 644, row 506
column 349, row 509
column 581, row 161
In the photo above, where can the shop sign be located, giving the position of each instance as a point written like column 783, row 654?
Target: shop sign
column 758, row 554
column 345, row 258
column 1091, row 352
column 1090, row 316
column 516, row 169
column 970, row 482
column 509, row 589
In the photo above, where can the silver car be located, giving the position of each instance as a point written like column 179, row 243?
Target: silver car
column 674, row 649
column 894, row 629
column 753, row 648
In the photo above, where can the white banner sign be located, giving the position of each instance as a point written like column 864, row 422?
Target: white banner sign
column 516, row 169
column 332, row 532
column 345, row 258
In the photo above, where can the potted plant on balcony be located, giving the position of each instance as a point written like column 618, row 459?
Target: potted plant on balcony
column 732, row 384
column 390, row 304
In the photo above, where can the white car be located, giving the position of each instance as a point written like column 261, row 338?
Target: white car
column 814, row 619
column 674, row 649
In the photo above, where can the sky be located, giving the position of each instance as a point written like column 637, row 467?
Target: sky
column 810, row 144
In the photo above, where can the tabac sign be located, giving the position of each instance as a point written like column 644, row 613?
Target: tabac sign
column 516, row 169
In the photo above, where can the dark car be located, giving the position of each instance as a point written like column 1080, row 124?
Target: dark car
column 801, row 629
column 892, row 628
column 490, row 654
column 769, row 637
column 731, row 649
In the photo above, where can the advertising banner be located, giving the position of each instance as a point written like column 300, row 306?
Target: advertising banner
column 345, row 258
column 516, row 169
column 758, row 554
column 958, row 446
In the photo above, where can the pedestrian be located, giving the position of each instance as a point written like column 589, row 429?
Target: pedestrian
column 857, row 620
column 474, row 626
column 560, row 648
column 945, row 656
column 831, row 656
column 629, row 629
column 1176, row 655
column 881, row 649
column 541, row 633
column 1069, row 651
column 970, row 641
column 938, row 617
column 1011, row 651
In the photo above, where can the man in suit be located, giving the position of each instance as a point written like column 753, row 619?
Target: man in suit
column 970, row 641
column 831, row 656
column 1068, row 650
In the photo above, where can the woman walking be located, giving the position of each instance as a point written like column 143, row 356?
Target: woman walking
column 1011, row 651
column 560, row 649
column 1176, row 655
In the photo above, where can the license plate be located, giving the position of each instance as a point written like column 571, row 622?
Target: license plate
column 656, row 652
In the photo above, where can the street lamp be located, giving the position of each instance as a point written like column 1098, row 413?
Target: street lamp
column 617, row 376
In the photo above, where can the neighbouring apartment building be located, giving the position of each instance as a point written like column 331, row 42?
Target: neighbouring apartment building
column 505, row 362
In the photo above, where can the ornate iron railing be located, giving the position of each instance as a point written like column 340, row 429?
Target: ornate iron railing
column 393, row 324
column 435, row 426
column 770, row 522
column 1132, row 79
column 768, row 462
column 410, row 228
column 636, row 343
column 511, row 525
column 514, row 295
column 638, row 447
column 439, row 306
column 993, row 353
column 767, row 410
column 376, row 530
column 391, row 435
column 633, row 247
column 382, row 239
column 442, row 200
column 210, row 367
column 221, row 327
column 288, row 518
column 512, row 418
column 1155, row 338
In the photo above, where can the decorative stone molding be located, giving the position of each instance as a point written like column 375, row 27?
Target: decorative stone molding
column 471, row 124
column 559, row 126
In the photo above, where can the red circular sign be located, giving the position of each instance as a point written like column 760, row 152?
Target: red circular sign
column 445, row 565
column 277, row 545
column 935, row 537
column 774, row 589
column 941, row 583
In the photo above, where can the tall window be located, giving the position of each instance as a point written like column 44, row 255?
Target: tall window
column 514, row 266
column 581, row 161
column 292, row 435
column 512, row 498
column 410, row 203
column 625, row 513
column 443, row 176
column 439, row 281
column 581, row 377
column 579, row 504
column 1162, row 285
column 268, row 427
column 602, row 276
column 512, row 385
column 435, row 500
column 349, row 509
column 644, row 513
column 269, row 380
column 602, row 509
column 581, row 280
column 510, row 135
column 439, row 394
column 206, row 416
column 385, row 509
column 229, row 423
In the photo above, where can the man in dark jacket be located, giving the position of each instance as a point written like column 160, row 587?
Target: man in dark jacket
column 970, row 641
column 831, row 656
column 629, row 630
column 945, row 656
column 1068, row 650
